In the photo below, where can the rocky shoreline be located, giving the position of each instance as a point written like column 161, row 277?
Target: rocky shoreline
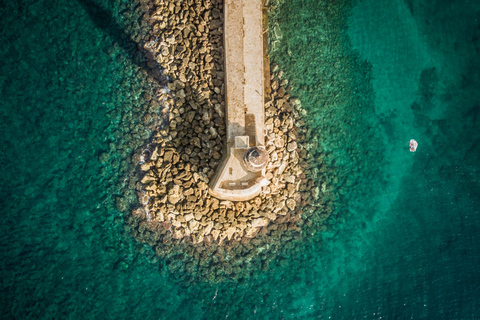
column 211, row 239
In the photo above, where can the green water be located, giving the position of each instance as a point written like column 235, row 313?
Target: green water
column 404, row 240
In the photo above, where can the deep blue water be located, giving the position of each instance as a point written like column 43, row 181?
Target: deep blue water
column 373, row 75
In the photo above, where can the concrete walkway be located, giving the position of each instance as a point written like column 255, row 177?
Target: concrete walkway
column 245, row 95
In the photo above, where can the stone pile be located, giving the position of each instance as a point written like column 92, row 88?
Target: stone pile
column 174, row 192
column 191, row 230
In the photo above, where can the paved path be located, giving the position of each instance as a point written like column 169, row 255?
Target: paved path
column 245, row 115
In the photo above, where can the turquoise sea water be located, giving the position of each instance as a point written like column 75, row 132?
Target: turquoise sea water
column 374, row 74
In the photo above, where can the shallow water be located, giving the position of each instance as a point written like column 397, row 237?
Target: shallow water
column 403, row 244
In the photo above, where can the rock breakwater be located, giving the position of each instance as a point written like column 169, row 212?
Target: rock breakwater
column 192, row 231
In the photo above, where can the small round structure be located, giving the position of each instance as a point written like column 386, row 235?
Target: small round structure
column 255, row 159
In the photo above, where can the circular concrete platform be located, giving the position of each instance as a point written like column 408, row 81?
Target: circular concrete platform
column 255, row 159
